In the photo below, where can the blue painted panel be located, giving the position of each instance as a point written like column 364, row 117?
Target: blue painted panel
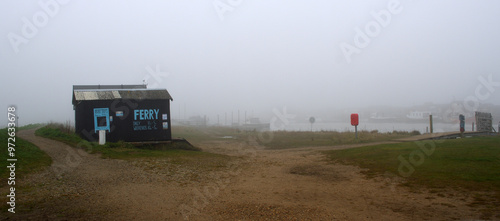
column 99, row 114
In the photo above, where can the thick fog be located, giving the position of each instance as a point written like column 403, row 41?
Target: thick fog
column 219, row 56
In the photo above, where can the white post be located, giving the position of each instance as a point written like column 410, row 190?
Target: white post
column 102, row 137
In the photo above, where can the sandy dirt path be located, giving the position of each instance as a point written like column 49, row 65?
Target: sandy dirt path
column 301, row 184
column 293, row 184
column 84, row 186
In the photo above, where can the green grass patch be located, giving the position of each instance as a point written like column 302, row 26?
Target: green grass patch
column 288, row 139
column 30, row 126
column 55, row 132
column 129, row 151
column 177, row 160
column 204, row 134
column 472, row 163
column 30, row 158
column 121, row 150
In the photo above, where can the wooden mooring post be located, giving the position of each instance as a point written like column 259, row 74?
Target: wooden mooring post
column 430, row 123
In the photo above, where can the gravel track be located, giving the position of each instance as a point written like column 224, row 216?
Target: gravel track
column 294, row 184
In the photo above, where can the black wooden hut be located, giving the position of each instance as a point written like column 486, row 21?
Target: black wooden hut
column 130, row 113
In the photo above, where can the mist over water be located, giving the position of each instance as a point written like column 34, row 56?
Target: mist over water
column 380, row 127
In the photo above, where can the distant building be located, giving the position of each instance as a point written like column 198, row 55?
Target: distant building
column 418, row 115
column 129, row 113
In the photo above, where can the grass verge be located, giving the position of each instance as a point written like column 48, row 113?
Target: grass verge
column 121, row 150
column 471, row 164
column 30, row 158
column 203, row 134
column 287, row 139
column 180, row 162
column 30, row 126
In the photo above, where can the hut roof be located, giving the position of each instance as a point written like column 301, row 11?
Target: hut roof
column 113, row 92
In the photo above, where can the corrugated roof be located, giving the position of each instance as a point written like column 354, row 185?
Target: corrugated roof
column 112, row 94
column 122, row 86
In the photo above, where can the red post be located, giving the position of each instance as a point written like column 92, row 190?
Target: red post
column 355, row 122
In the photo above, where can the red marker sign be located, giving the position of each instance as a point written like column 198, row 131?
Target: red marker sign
column 354, row 119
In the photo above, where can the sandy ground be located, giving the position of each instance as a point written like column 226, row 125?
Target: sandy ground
column 258, row 184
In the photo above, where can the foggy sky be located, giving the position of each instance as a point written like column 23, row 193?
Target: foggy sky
column 255, row 55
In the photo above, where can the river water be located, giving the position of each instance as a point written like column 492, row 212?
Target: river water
column 381, row 127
